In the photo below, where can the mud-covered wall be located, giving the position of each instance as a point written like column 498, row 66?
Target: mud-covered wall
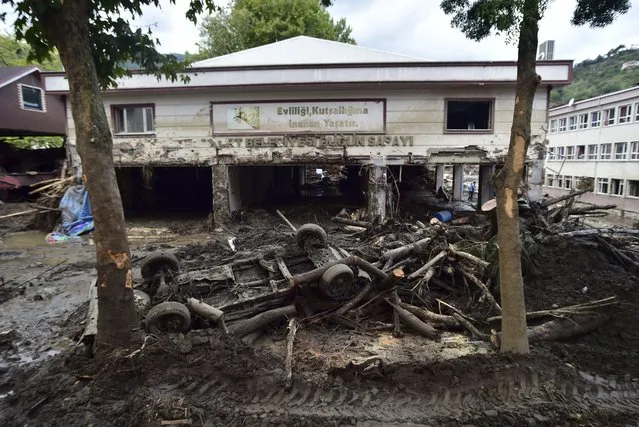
column 414, row 124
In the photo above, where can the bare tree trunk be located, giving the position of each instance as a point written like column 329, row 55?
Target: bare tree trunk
column 507, row 181
column 68, row 27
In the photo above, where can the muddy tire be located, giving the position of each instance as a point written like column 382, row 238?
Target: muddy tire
column 142, row 300
column 337, row 282
column 310, row 231
column 157, row 263
column 168, row 317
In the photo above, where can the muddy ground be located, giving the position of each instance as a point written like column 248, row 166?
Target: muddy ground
column 340, row 376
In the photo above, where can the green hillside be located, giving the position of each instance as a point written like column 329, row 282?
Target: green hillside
column 594, row 77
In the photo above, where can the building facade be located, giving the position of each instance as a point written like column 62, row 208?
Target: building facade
column 249, row 122
column 595, row 143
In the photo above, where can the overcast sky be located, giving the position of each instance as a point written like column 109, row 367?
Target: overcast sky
column 419, row 28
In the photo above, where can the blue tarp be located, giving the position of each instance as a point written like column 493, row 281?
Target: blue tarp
column 76, row 214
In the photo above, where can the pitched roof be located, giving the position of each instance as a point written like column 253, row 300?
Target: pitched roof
column 305, row 50
column 11, row 74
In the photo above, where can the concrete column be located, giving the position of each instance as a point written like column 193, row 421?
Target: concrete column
column 458, row 182
column 234, row 189
column 377, row 189
column 221, row 205
column 439, row 177
column 485, row 186
column 535, row 191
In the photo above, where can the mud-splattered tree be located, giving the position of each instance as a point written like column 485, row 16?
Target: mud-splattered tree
column 94, row 41
column 477, row 19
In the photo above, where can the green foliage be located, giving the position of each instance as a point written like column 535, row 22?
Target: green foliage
column 16, row 53
column 112, row 40
column 251, row 23
column 33, row 142
column 595, row 77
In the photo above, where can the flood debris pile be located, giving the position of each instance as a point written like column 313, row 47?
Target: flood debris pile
column 400, row 276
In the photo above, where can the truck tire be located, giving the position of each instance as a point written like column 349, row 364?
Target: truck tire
column 159, row 262
column 310, row 231
column 168, row 317
column 337, row 282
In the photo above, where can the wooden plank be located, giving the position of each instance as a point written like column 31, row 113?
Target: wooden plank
column 92, row 314
column 283, row 268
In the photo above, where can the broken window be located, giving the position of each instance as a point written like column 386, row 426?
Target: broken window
column 133, row 119
column 592, row 152
column 572, row 123
column 31, row 98
column 633, row 188
column 609, row 116
column 625, row 113
column 467, row 115
column 581, row 152
column 583, row 121
column 602, row 185
column 570, row 153
column 616, row 187
column 562, row 125
column 621, row 150
column 634, row 150
column 595, row 119
column 606, row 151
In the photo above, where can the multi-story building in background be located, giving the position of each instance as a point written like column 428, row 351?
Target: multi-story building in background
column 596, row 142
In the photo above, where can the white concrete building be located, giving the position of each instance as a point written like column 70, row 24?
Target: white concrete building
column 596, row 141
column 248, row 123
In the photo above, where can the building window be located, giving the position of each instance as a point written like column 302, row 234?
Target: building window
column 609, row 116
column 621, row 150
column 583, row 121
column 136, row 119
column 592, row 152
column 633, row 188
column 469, row 115
column 553, row 126
column 637, row 112
column 560, row 153
column 602, row 185
column 560, row 181
column 551, row 153
column 570, row 153
column 581, row 152
column 625, row 114
column 31, row 98
column 616, row 187
column 606, row 152
column 595, row 119
column 634, row 150
column 550, row 180
column 568, row 182
column 562, row 125
column 572, row 122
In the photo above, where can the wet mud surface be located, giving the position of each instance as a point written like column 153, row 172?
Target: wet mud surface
column 340, row 376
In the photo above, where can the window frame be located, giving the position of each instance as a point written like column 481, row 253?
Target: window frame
column 553, row 126
column 605, row 181
column 563, row 128
column 560, row 152
column 628, row 117
column 636, row 111
column 114, row 119
column 633, row 153
column 596, row 152
column 621, row 185
column 491, row 118
column 572, row 122
column 584, row 124
column 607, row 120
column 601, row 151
column 624, row 152
column 568, row 182
column 551, row 153
column 43, row 99
column 635, row 183
column 550, row 179
column 595, row 123
column 570, row 152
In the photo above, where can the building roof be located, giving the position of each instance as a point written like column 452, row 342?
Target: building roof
column 607, row 98
column 303, row 50
column 11, row 74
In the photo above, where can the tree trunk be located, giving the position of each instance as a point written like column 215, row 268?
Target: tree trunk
column 507, row 181
column 68, row 28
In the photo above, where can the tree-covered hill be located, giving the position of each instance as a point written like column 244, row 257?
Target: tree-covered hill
column 594, row 77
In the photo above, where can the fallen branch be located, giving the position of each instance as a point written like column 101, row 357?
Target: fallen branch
column 489, row 296
column 315, row 275
column 565, row 311
column 354, row 301
column 397, row 327
column 406, row 250
column 429, row 316
column 57, row 183
column 292, row 330
column 589, row 209
column 414, row 322
column 286, row 220
column 428, row 265
column 348, row 221
column 599, row 232
column 245, row 327
column 565, row 197
column 30, row 211
column 468, row 256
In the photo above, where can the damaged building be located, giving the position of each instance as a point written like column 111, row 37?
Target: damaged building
column 253, row 126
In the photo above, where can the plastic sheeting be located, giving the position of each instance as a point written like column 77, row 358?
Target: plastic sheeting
column 77, row 217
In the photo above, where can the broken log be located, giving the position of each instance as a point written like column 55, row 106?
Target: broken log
column 245, row 327
column 30, row 211
column 599, row 232
column 286, row 221
column 428, row 265
column 403, row 251
column 489, row 296
column 397, row 327
column 561, row 329
column 470, row 327
column 589, row 209
column 292, row 330
column 565, row 197
column 414, row 322
column 353, row 222
column 355, row 300
column 205, row 310
column 390, row 280
column 429, row 316
column 469, row 257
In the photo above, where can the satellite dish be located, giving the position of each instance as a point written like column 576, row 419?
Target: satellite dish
column 572, row 101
